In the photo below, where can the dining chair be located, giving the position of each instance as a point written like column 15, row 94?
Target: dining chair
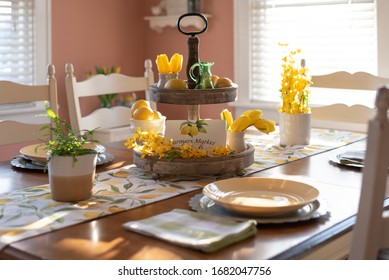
column 371, row 230
column 19, row 131
column 111, row 124
column 339, row 115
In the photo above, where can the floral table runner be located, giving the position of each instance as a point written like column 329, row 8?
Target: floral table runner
column 31, row 211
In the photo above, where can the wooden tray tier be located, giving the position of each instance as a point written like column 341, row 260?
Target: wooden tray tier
column 193, row 96
column 203, row 166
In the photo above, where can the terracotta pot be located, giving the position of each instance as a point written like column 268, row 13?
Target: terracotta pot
column 70, row 181
column 295, row 129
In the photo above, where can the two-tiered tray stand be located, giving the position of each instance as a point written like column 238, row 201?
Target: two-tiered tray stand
column 193, row 98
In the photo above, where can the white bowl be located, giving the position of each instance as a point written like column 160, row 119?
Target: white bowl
column 150, row 125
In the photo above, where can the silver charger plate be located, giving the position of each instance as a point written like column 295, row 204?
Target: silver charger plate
column 23, row 162
column 313, row 210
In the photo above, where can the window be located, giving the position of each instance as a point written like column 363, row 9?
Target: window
column 333, row 35
column 25, row 49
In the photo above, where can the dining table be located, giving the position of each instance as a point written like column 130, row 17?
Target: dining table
column 103, row 237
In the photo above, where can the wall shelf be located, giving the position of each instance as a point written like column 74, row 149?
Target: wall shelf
column 158, row 23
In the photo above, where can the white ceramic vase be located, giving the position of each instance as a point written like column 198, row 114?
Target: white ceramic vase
column 163, row 78
column 70, row 181
column 295, row 129
column 236, row 140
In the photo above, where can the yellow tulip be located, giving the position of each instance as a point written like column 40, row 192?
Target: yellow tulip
column 227, row 116
column 241, row 123
column 162, row 62
column 175, row 63
column 265, row 126
column 167, row 67
column 254, row 115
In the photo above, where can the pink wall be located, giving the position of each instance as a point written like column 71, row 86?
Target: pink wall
column 91, row 33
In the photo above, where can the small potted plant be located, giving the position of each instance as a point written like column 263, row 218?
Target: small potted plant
column 71, row 160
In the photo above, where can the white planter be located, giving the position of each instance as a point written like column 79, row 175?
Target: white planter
column 163, row 78
column 72, row 181
column 295, row 129
column 236, row 141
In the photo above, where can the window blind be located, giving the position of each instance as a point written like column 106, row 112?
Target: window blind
column 333, row 36
column 17, row 54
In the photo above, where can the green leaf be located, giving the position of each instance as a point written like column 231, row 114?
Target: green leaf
column 104, row 197
column 115, row 188
column 28, row 206
column 118, row 201
column 176, row 186
column 146, row 191
column 128, row 185
column 14, row 217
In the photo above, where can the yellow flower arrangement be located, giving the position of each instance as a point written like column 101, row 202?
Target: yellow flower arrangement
column 294, row 85
column 151, row 144
column 247, row 119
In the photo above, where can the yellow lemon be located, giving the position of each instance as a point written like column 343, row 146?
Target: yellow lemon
column 157, row 115
column 137, row 104
column 176, row 84
column 223, row 82
column 214, row 78
column 185, row 130
column 121, row 174
column 143, row 113
column 194, row 130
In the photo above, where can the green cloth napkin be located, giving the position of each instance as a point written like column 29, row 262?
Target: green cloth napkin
column 353, row 157
column 199, row 231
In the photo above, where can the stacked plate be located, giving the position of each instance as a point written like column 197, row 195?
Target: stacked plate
column 353, row 158
column 34, row 156
column 269, row 200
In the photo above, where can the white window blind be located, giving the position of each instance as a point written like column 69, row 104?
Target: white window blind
column 17, row 41
column 334, row 35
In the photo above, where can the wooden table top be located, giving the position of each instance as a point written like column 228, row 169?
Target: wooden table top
column 104, row 238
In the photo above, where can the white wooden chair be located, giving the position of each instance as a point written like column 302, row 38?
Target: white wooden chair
column 342, row 116
column 12, row 131
column 371, row 231
column 112, row 123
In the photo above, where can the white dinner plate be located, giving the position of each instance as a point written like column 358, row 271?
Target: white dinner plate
column 37, row 152
column 265, row 196
column 23, row 162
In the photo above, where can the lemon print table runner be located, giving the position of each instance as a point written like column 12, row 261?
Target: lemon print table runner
column 31, row 211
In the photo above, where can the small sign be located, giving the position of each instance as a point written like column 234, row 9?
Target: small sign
column 202, row 134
